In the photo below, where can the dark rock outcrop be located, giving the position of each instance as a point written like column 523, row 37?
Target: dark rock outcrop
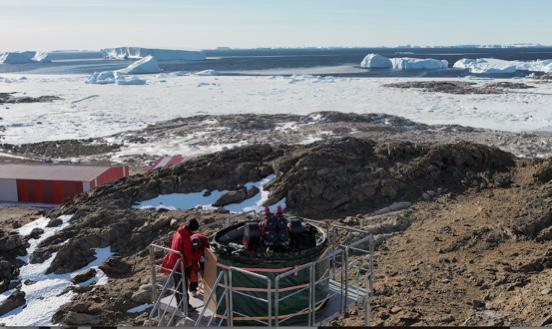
column 15, row 300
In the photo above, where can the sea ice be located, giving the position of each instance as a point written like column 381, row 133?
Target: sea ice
column 375, row 61
column 207, row 73
column 146, row 65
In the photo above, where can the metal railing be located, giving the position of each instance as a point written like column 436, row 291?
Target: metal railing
column 364, row 276
column 268, row 299
column 165, row 288
column 225, row 296
column 343, row 257
column 311, row 288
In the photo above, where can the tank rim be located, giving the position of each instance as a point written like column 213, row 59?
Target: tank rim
column 225, row 252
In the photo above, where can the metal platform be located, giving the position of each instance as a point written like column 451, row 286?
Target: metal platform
column 328, row 313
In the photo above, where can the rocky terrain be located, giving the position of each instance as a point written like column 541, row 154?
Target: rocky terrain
column 461, row 87
column 11, row 98
column 209, row 133
column 471, row 243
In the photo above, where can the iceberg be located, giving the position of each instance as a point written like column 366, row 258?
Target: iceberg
column 24, row 57
column 375, row 61
column 111, row 77
column 146, row 65
column 122, row 53
column 407, row 63
column 498, row 66
column 41, row 57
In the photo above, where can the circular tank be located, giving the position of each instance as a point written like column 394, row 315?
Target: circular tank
column 230, row 252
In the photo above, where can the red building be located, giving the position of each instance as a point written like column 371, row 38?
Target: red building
column 52, row 184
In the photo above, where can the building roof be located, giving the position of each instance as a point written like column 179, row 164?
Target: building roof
column 50, row 172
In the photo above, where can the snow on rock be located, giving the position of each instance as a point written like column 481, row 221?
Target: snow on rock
column 123, row 53
column 111, row 77
column 407, row 63
column 498, row 66
column 205, row 73
column 375, row 61
column 146, row 65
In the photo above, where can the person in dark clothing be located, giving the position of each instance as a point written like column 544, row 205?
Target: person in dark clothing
column 181, row 241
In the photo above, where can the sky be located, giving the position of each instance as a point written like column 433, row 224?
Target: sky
column 204, row 24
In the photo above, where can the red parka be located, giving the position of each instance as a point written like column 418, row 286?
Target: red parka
column 181, row 241
column 197, row 254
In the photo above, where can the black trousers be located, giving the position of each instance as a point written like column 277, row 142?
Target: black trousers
column 179, row 281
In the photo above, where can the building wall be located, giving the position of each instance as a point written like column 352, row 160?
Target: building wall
column 108, row 176
column 8, row 190
column 47, row 192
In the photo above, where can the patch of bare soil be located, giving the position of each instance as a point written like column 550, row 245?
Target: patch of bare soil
column 460, row 87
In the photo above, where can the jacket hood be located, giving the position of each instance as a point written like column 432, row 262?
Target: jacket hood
column 183, row 230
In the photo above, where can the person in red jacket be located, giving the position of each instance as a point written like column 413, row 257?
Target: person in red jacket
column 200, row 242
column 182, row 242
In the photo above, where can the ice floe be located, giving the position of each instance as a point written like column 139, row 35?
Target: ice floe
column 122, row 53
column 205, row 200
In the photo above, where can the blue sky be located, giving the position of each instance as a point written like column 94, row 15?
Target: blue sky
column 93, row 24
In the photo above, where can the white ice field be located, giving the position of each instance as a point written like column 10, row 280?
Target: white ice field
column 89, row 110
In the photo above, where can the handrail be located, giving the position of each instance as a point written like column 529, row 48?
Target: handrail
column 208, row 300
column 268, row 300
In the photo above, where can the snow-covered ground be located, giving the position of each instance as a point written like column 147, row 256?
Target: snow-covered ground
column 89, row 110
column 201, row 200
column 45, row 293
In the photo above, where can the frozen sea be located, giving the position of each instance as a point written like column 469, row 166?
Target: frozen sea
column 262, row 81
column 338, row 62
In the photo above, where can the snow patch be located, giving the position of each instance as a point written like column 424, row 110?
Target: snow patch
column 205, row 200
column 146, row 65
column 140, row 308
column 46, row 292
